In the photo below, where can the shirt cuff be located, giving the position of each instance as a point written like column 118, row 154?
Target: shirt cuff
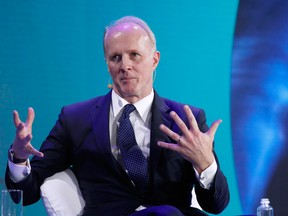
column 18, row 172
column 140, row 208
column 207, row 176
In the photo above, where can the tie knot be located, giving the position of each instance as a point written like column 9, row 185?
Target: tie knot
column 127, row 110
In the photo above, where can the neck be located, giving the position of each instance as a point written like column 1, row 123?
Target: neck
column 132, row 98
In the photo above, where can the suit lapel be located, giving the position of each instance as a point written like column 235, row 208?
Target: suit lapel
column 160, row 115
column 100, row 124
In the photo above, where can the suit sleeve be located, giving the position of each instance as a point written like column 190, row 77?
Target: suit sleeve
column 56, row 158
column 215, row 199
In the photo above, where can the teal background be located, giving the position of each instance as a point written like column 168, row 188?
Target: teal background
column 51, row 55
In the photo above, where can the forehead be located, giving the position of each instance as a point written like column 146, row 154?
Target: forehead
column 125, row 32
column 125, row 27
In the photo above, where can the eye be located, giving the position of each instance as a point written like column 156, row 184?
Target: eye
column 134, row 54
column 115, row 58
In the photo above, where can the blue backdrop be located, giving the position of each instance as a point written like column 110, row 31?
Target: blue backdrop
column 259, row 103
column 51, row 55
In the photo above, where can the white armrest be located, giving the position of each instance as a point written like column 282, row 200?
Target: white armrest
column 61, row 195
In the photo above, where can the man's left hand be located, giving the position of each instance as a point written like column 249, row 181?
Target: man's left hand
column 193, row 145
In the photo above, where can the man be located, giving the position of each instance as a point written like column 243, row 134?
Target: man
column 175, row 141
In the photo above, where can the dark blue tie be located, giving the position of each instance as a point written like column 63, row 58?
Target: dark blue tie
column 132, row 156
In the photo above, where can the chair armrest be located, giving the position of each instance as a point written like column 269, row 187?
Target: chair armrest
column 61, row 194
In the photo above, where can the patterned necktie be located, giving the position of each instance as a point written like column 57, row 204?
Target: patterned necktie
column 132, row 156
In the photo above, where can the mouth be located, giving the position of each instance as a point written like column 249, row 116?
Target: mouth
column 127, row 78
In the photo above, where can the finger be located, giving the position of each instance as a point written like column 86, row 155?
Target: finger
column 35, row 152
column 214, row 127
column 27, row 139
column 173, row 147
column 182, row 126
column 191, row 118
column 29, row 149
column 20, row 132
column 20, row 127
column 30, row 116
column 169, row 132
column 16, row 118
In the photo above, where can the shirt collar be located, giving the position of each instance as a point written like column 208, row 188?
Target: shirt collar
column 143, row 106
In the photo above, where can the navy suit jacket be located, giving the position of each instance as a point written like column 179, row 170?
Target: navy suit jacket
column 80, row 138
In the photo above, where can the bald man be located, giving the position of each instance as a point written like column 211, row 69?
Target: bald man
column 173, row 139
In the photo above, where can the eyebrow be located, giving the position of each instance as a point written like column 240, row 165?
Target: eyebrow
column 129, row 51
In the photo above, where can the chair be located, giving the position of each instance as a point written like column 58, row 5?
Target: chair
column 62, row 197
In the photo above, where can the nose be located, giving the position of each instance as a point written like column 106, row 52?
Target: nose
column 126, row 63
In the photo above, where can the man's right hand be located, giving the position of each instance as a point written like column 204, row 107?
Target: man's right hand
column 21, row 145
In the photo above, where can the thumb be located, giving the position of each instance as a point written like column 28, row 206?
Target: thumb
column 214, row 127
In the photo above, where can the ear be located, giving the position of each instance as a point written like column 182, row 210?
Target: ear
column 156, row 59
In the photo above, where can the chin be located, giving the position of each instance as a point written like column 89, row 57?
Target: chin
column 129, row 88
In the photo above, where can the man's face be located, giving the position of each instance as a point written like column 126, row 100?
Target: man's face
column 131, row 61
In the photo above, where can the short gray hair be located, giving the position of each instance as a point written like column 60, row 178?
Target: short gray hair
column 137, row 21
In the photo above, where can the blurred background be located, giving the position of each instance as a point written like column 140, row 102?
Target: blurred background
column 51, row 55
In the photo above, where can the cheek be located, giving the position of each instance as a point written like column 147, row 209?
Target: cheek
column 112, row 69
